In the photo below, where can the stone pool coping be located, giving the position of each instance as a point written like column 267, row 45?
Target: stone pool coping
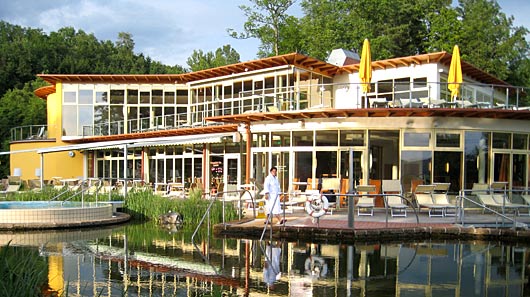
column 117, row 218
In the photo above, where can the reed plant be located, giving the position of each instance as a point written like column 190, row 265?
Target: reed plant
column 147, row 205
column 22, row 272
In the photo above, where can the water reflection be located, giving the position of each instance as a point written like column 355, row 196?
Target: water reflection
column 144, row 260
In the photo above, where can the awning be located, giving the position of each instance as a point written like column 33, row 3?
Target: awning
column 18, row 152
column 145, row 142
column 182, row 140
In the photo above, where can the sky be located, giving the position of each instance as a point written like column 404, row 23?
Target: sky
column 165, row 30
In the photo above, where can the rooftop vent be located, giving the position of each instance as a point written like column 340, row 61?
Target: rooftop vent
column 342, row 57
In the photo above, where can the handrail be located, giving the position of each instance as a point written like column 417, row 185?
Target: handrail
column 212, row 199
column 462, row 196
column 269, row 219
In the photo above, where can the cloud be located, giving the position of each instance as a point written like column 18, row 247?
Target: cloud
column 165, row 30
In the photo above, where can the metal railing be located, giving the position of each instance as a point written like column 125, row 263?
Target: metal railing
column 394, row 93
column 84, row 186
column 463, row 196
column 31, row 132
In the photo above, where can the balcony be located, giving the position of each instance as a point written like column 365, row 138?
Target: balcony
column 390, row 95
column 32, row 132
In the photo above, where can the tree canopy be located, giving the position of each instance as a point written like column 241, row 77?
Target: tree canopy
column 487, row 38
column 222, row 56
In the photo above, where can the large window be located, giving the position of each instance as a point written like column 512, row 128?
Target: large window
column 383, row 160
column 416, row 168
column 476, row 156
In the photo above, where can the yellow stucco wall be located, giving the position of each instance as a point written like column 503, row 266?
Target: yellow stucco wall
column 54, row 105
column 58, row 164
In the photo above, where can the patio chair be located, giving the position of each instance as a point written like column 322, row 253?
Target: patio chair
column 488, row 200
column 175, row 190
column 502, row 200
column 411, row 103
column 10, row 189
column 295, row 200
column 365, row 204
column 395, row 203
column 439, row 197
column 526, row 199
column 423, row 196
column 466, row 104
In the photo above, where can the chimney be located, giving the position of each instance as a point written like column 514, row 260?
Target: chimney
column 342, row 57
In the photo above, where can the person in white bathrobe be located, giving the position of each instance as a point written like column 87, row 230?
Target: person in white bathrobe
column 272, row 192
column 271, row 267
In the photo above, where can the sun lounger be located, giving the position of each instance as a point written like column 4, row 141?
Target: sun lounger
column 365, row 204
column 503, row 201
column 410, row 103
column 488, row 200
column 526, row 199
column 439, row 197
column 424, row 199
column 295, row 200
column 394, row 202
column 10, row 189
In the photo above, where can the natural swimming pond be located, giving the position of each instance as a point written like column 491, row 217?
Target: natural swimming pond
column 147, row 260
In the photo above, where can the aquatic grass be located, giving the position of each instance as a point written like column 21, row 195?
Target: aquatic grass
column 146, row 205
column 22, row 271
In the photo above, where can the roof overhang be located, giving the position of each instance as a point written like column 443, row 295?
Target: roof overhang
column 375, row 112
column 294, row 59
column 443, row 58
column 209, row 129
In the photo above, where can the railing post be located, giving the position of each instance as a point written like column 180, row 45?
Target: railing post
column 351, row 210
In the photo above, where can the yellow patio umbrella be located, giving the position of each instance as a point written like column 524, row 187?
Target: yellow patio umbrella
column 455, row 73
column 365, row 67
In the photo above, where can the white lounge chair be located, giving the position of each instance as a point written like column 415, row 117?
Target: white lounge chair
column 411, row 103
column 295, row 200
column 10, row 189
column 439, row 197
column 488, row 200
column 526, row 199
column 424, row 199
column 395, row 203
column 503, row 201
column 365, row 204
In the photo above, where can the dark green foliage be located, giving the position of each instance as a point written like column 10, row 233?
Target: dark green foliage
column 22, row 272
column 26, row 52
column 223, row 56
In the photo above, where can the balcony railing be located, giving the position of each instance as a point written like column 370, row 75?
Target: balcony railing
column 387, row 94
column 32, row 132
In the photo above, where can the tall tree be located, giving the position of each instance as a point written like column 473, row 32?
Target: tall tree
column 19, row 107
column 224, row 55
column 395, row 28
column 265, row 20
column 488, row 38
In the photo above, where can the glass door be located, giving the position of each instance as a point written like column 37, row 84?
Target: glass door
column 356, row 165
column 232, row 172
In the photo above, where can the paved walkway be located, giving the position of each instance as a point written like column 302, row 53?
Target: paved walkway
column 336, row 228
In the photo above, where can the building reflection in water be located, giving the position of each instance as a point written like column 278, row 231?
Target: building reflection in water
column 113, row 266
